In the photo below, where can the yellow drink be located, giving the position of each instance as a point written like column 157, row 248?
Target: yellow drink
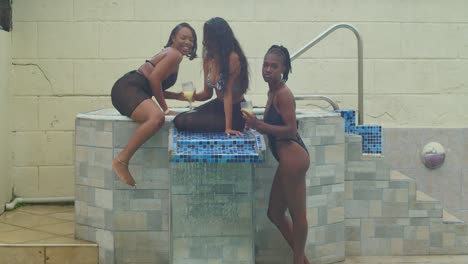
column 188, row 95
column 247, row 111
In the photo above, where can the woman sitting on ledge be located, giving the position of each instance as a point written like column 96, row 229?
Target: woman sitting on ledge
column 288, row 191
column 132, row 93
column 226, row 71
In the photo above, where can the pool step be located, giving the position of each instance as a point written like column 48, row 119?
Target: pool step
column 216, row 147
column 386, row 214
column 49, row 253
column 448, row 218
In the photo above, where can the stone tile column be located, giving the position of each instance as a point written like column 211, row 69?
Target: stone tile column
column 129, row 225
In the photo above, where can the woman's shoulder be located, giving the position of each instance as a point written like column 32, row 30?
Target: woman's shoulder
column 285, row 90
column 284, row 93
column 233, row 57
column 207, row 64
column 173, row 53
column 234, row 61
column 169, row 53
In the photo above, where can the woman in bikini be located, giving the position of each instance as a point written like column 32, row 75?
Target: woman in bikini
column 288, row 191
column 131, row 94
column 226, row 72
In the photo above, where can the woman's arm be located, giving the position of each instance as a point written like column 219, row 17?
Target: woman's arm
column 286, row 106
column 165, row 67
column 234, row 70
column 176, row 96
column 207, row 92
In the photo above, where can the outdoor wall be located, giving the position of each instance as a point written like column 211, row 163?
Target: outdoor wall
column 5, row 117
column 67, row 54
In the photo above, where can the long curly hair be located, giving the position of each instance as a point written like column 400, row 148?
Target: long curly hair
column 219, row 40
column 193, row 53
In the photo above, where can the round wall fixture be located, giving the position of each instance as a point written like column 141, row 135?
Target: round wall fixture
column 433, row 155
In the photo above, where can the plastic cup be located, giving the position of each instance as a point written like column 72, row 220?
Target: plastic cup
column 247, row 107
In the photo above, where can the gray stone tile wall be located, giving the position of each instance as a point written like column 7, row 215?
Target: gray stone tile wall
column 385, row 216
column 130, row 226
column 402, row 148
column 355, row 205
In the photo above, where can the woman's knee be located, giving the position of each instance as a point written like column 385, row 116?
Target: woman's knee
column 275, row 215
column 178, row 121
column 156, row 121
column 299, row 219
column 182, row 122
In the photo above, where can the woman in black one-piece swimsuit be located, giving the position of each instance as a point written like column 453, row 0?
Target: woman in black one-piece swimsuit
column 131, row 94
column 288, row 191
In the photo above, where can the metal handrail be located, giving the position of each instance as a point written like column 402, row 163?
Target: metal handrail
column 318, row 97
column 360, row 61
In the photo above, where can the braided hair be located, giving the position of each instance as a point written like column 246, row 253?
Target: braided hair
column 283, row 53
column 193, row 53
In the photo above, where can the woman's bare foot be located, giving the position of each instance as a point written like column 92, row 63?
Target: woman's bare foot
column 121, row 170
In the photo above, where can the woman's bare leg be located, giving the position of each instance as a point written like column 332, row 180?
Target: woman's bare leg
column 151, row 118
column 288, row 192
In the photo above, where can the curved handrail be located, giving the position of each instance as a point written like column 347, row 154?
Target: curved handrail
column 360, row 61
column 318, row 97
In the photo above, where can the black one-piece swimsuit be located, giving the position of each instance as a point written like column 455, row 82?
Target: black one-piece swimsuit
column 272, row 117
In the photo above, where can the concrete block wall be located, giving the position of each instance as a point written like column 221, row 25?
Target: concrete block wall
column 67, row 54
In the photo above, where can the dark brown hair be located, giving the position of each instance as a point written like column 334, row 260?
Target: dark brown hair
column 193, row 53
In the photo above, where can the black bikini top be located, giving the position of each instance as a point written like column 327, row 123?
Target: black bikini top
column 169, row 81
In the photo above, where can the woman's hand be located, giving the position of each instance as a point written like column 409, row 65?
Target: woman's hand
column 193, row 96
column 171, row 113
column 181, row 96
column 232, row 132
column 250, row 120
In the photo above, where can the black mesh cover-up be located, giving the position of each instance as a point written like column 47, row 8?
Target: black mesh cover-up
column 209, row 117
column 132, row 89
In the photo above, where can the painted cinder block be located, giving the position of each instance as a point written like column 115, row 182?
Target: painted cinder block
column 89, row 10
column 49, row 10
column 68, row 40
column 25, row 38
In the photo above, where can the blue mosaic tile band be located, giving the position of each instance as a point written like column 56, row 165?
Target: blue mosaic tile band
column 350, row 120
column 216, row 147
column 371, row 138
column 371, row 134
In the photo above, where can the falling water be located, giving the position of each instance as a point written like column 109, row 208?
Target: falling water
column 211, row 211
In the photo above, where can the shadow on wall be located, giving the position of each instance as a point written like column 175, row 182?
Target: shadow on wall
column 5, row 63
